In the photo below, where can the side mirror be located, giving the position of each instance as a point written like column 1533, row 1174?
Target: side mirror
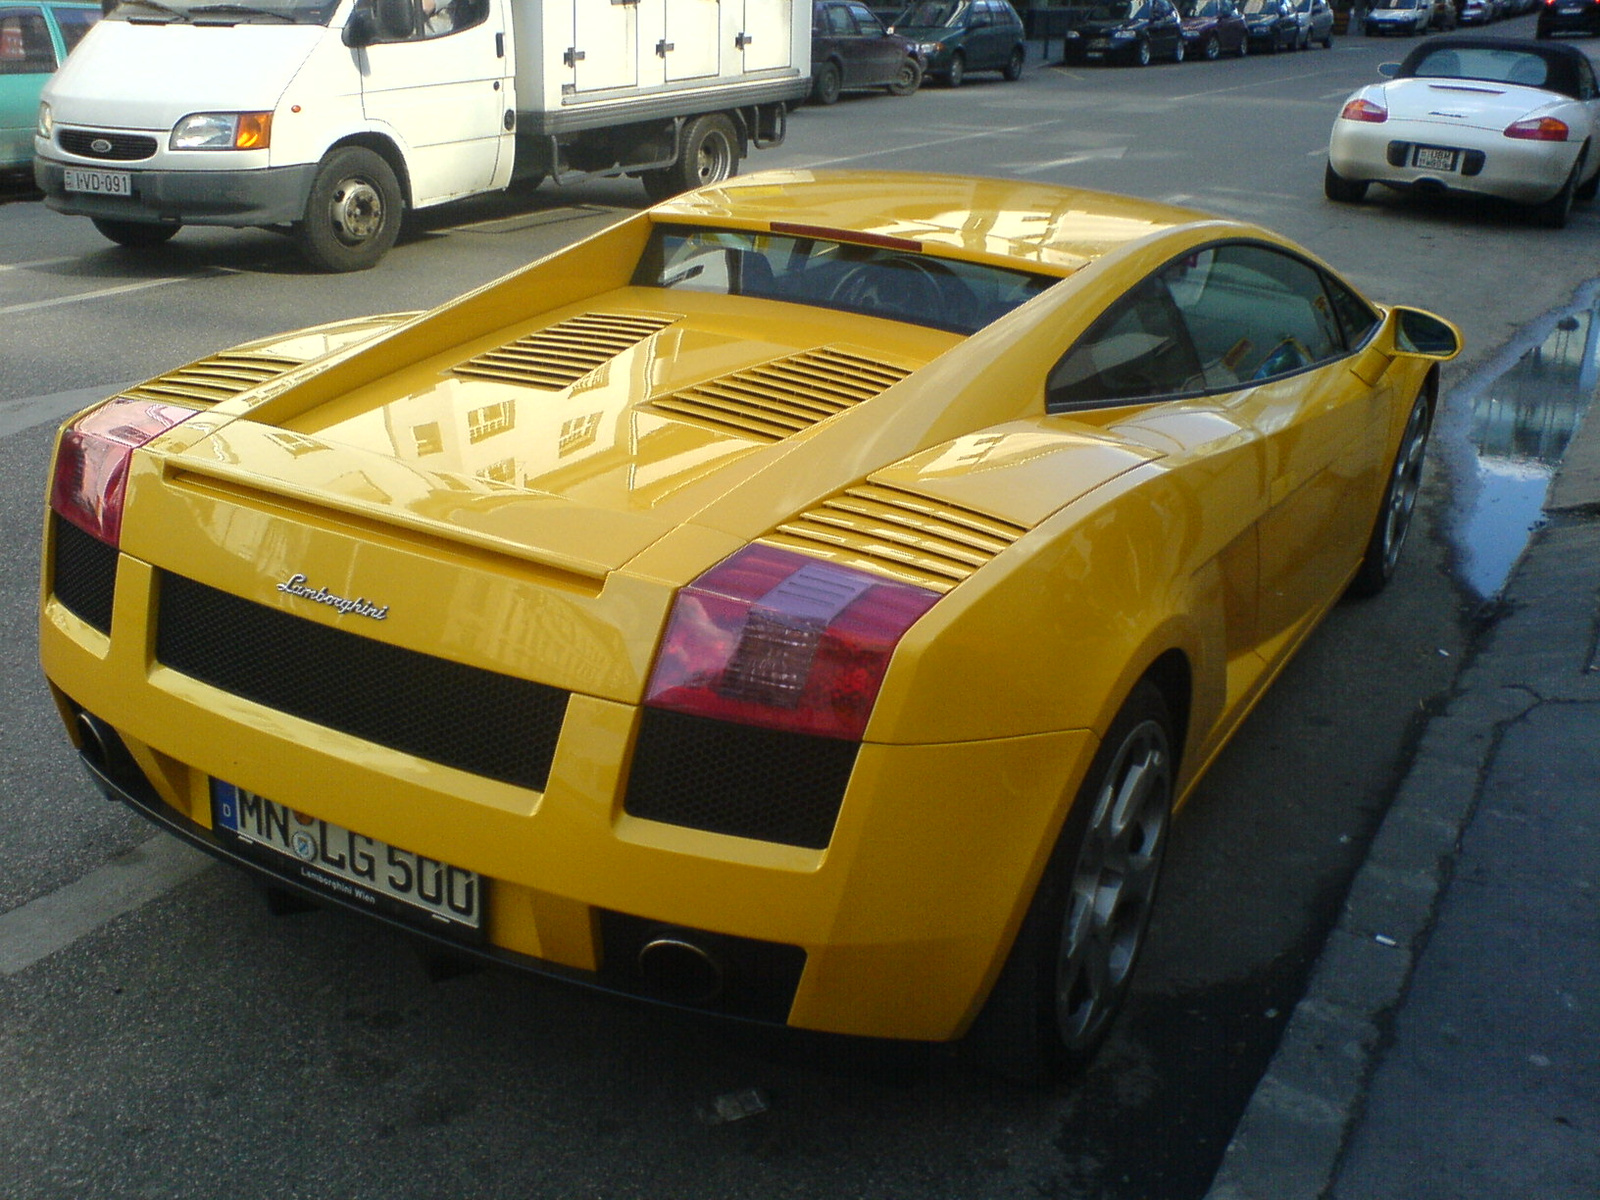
column 1388, row 70
column 360, row 30
column 1425, row 335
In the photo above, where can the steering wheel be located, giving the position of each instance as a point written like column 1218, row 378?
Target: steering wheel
column 917, row 289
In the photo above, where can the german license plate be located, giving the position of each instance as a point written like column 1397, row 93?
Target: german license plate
column 350, row 865
column 1434, row 158
column 102, row 183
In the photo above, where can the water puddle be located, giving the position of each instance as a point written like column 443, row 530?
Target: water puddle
column 1510, row 428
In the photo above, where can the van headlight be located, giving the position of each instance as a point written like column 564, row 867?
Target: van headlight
column 46, row 128
column 222, row 131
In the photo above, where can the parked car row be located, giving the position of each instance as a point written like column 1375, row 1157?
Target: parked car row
column 1140, row 31
column 854, row 49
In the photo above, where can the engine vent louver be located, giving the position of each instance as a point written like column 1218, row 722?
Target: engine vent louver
column 214, row 379
column 560, row 355
column 899, row 533
column 779, row 398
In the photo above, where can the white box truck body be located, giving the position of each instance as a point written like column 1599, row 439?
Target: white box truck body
column 331, row 117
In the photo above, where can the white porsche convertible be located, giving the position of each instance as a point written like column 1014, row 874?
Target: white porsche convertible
column 1489, row 116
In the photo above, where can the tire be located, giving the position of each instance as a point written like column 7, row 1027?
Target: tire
column 1014, row 64
column 1327, row 40
column 708, row 152
column 825, row 88
column 956, row 74
column 1141, row 54
column 137, row 235
column 1399, row 502
column 1178, row 51
column 1341, row 190
column 1211, row 49
column 1553, row 213
column 353, row 213
column 1244, row 46
column 909, row 79
column 1069, row 970
column 1587, row 191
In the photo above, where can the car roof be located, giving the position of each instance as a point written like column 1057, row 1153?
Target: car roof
column 1008, row 222
column 1564, row 60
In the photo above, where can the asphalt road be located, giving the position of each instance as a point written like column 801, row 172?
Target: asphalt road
column 196, row 1046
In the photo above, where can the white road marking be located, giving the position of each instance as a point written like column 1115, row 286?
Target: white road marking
column 901, row 147
column 38, row 262
column 1244, row 87
column 99, row 293
column 1113, row 152
column 53, row 922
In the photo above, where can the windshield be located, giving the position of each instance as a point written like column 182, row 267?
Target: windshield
column 207, row 12
column 929, row 14
column 1257, row 7
column 1120, row 10
column 1395, row 4
column 1197, row 8
column 1491, row 64
column 877, row 281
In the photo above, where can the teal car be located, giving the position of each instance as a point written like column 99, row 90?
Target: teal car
column 35, row 39
column 961, row 36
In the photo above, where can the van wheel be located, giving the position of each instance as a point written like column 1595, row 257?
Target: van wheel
column 1071, row 965
column 956, row 73
column 708, row 153
column 1014, row 64
column 136, row 234
column 353, row 213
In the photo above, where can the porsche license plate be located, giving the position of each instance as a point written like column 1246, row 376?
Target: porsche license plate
column 1434, row 158
column 100, row 183
column 350, row 865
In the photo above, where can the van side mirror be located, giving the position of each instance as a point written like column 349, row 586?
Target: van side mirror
column 360, row 30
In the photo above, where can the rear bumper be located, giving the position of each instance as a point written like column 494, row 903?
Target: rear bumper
column 1522, row 172
column 239, row 199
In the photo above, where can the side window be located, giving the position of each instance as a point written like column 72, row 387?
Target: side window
column 868, row 24
column 1253, row 312
column 839, row 22
column 440, row 17
column 25, row 46
column 1138, row 349
column 1356, row 317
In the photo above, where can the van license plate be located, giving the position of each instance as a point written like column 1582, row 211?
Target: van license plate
column 100, row 183
column 350, row 865
column 1432, row 158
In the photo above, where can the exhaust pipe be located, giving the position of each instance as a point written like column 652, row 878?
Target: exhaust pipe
column 95, row 740
column 680, row 971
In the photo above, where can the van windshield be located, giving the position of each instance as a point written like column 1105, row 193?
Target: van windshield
column 207, row 12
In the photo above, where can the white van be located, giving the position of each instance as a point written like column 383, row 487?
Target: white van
column 331, row 117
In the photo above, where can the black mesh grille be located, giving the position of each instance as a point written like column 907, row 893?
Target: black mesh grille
column 86, row 574
column 464, row 717
column 119, row 147
column 738, row 779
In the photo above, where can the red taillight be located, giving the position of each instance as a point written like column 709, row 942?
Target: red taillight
column 92, row 463
column 1539, row 129
column 773, row 638
column 1364, row 110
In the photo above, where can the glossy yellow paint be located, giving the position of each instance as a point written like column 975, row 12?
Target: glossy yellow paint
column 542, row 532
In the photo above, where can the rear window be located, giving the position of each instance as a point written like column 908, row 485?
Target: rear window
column 879, row 281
